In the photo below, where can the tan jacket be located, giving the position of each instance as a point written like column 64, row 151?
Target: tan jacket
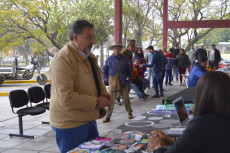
column 73, row 90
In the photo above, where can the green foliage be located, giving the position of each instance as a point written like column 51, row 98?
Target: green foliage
column 98, row 12
column 48, row 22
column 216, row 36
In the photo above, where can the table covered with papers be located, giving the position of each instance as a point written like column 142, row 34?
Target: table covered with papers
column 133, row 135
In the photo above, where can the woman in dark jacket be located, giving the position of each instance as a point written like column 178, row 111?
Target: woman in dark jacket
column 182, row 62
column 139, row 55
column 208, row 131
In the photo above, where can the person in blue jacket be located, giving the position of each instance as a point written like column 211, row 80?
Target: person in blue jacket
column 198, row 71
column 157, row 63
column 118, row 63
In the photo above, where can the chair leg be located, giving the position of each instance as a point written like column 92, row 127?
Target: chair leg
column 21, row 129
column 45, row 122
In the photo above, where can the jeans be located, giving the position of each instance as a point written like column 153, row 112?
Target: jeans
column 136, row 90
column 68, row 139
column 175, row 70
column 157, row 82
column 168, row 77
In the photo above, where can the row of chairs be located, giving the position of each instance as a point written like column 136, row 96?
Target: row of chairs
column 20, row 100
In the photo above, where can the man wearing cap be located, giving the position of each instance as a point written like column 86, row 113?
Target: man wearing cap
column 117, row 63
column 78, row 92
column 201, row 53
column 214, row 57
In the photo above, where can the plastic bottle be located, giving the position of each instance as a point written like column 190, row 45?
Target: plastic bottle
column 165, row 110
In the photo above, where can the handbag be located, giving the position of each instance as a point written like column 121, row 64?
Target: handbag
column 114, row 81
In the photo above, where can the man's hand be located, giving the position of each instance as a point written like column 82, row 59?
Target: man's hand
column 103, row 102
column 155, row 142
column 109, row 98
column 168, row 140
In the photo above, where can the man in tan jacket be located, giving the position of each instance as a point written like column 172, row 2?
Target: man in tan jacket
column 78, row 92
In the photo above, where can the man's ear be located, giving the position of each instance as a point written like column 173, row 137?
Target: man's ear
column 75, row 38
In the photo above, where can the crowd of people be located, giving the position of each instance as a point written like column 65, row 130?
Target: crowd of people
column 79, row 95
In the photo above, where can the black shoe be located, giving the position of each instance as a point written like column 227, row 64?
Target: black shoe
column 163, row 89
column 171, row 84
column 156, row 96
column 162, row 95
column 166, row 84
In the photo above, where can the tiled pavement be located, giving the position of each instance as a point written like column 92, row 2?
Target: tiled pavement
column 44, row 141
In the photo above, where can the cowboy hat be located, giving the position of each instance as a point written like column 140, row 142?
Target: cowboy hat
column 115, row 44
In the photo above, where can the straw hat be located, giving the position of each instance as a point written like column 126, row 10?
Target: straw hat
column 115, row 44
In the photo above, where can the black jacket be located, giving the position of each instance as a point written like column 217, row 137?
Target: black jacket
column 217, row 56
column 175, row 51
column 200, row 53
column 204, row 134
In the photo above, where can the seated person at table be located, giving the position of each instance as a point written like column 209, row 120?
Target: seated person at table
column 134, row 85
column 141, row 70
column 141, row 76
column 208, row 131
column 197, row 71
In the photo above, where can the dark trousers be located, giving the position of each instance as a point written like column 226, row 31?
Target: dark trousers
column 168, row 77
column 157, row 82
column 213, row 64
column 162, row 77
column 68, row 139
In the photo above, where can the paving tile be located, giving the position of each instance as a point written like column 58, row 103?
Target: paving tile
column 33, row 146
column 49, row 152
column 7, row 131
column 50, row 134
column 16, row 139
column 2, row 136
column 2, row 149
column 19, row 151
column 43, row 139
column 9, row 144
column 52, row 149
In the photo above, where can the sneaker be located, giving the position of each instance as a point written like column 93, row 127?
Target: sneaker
column 181, row 84
column 156, row 96
column 106, row 120
column 130, row 116
column 171, row 84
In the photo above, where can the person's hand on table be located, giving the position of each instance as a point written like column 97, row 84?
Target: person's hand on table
column 168, row 140
column 103, row 102
column 142, row 65
column 155, row 142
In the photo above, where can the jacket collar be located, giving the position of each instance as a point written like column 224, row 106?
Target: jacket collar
column 77, row 53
